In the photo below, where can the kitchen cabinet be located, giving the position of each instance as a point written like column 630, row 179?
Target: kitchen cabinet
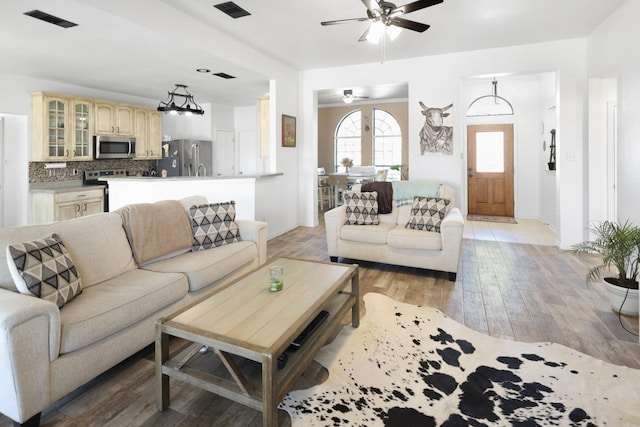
column 148, row 133
column 81, row 125
column 59, row 205
column 114, row 119
column 61, row 127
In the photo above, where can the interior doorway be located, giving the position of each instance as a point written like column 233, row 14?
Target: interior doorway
column 490, row 169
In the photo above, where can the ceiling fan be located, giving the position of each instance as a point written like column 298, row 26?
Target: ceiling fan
column 384, row 14
column 348, row 97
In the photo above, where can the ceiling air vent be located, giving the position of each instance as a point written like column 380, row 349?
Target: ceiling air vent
column 44, row 16
column 232, row 9
column 224, row 75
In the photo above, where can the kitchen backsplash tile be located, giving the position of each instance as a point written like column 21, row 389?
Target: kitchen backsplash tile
column 38, row 174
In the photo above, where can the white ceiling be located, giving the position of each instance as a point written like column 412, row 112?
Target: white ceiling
column 144, row 47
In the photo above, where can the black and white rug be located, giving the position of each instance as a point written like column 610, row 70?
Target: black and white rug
column 413, row 366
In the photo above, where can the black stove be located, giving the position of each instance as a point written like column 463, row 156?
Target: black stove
column 93, row 178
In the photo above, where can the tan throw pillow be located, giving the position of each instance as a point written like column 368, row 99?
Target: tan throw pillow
column 214, row 225
column 43, row 268
column 362, row 208
column 427, row 213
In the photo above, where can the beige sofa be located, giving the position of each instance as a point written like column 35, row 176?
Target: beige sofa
column 390, row 242
column 47, row 352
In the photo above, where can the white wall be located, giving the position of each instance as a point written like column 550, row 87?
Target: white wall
column 15, row 170
column 436, row 81
column 613, row 53
column 188, row 127
column 602, row 92
column 525, row 93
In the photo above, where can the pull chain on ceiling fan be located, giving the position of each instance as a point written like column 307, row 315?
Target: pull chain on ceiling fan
column 385, row 18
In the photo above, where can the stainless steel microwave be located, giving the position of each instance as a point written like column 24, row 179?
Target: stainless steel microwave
column 114, row 147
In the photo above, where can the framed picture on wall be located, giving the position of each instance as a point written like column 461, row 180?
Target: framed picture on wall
column 288, row 131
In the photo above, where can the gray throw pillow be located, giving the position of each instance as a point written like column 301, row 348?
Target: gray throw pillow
column 427, row 213
column 43, row 268
column 214, row 225
column 362, row 208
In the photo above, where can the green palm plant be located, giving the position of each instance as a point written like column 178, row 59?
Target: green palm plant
column 619, row 245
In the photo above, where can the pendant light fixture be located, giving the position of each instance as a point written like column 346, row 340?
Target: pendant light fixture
column 180, row 101
column 490, row 105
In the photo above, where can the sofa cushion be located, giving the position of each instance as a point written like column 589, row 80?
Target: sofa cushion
column 203, row 268
column 374, row 234
column 427, row 213
column 407, row 238
column 214, row 225
column 116, row 304
column 362, row 208
column 43, row 268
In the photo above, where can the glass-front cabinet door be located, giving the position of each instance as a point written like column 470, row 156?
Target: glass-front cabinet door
column 57, row 137
column 82, row 122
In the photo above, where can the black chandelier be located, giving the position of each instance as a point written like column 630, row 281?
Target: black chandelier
column 188, row 106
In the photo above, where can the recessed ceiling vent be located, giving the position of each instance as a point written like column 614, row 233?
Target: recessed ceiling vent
column 232, row 9
column 44, row 16
column 224, row 75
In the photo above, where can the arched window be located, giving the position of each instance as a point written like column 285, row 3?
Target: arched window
column 387, row 142
column 347, row 139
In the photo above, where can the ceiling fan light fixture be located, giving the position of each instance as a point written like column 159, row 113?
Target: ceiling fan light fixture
column 393, row 32
column 188, row 106
column 376, row 31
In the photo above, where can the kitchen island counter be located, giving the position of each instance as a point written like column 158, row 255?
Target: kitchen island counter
column 144, row 189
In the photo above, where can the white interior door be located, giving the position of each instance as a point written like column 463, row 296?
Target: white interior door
column 224, row 153
column 247, row 153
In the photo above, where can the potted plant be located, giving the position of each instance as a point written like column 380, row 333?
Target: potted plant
column 619, row 245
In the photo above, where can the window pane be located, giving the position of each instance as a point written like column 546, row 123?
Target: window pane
column 490, row 152
column 347, row 139
column 387, row 142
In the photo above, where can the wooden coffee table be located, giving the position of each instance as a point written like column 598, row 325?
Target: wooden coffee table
column 244, row 320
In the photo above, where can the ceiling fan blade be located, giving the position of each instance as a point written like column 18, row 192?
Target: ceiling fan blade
column 373, row 7
column 364, row 35
column 343, row 21
column 409, row 25
column 416, row 5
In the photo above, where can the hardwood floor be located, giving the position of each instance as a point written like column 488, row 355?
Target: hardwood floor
column 509, row 290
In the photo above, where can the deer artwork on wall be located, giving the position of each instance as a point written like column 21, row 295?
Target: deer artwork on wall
column 434, row 136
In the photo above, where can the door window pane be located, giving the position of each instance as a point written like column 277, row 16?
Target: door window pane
column 490, row 152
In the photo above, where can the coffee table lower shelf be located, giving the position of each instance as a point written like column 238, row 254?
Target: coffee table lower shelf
column 243, row 374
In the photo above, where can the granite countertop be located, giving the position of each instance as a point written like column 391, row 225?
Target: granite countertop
column 60, row 187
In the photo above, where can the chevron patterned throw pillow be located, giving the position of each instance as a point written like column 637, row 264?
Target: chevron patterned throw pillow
column 362, row 208
column 43, row 268
column 214, row 225
column 427, row 213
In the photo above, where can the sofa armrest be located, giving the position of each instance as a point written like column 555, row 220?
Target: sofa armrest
column 451, row 230
column 29, row 342
column 334, row 219
column 255, row 231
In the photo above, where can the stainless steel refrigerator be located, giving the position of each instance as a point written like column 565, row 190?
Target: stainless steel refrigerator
column 186, row 157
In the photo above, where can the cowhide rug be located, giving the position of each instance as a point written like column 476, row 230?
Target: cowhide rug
column 413, row 366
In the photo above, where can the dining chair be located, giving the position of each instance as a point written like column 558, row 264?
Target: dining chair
column 338, row 184
column 324, row 192
column 381, row 175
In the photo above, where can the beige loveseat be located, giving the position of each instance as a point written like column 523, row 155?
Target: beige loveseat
column 46, row 352
column 390, row 242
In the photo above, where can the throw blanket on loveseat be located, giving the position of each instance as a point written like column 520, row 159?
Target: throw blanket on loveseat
column 156, row 229
column 385, row 194
column 409, row 189
column 400, row 190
